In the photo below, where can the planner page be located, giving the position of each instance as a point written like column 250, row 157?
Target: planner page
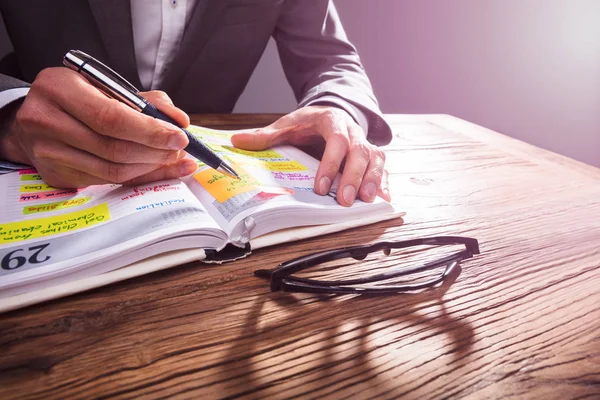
column 43, row 228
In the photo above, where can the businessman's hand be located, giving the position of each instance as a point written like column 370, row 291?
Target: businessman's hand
column 346, row 146
column 75, row 136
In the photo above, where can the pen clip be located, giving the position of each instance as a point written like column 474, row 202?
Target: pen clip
column 105, row 69
column 104, row 78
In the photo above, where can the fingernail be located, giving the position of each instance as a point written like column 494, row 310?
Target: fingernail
column 370, row 190
column 177, row 142
column 324, row 185
column 349, row 194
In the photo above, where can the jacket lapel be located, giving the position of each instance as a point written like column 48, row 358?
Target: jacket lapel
column 113, row 18
column 205, row 18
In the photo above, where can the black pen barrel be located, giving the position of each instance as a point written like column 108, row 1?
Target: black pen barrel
column 195, row 147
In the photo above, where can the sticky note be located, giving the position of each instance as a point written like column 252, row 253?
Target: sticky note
column 223, row 187
column 255, row 154
column 206, row 133
column 247, row 161
column 40, row 227
column 47, row 195
column 59, row 205
column 31, row 177
column 27, row 171
column 284, row 166
column 270, row 191
column 217, row 148
column 38, row 187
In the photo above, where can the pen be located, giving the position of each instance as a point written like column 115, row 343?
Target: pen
column 115, row 86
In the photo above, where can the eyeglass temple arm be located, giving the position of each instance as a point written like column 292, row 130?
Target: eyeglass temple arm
column 470, row 243
column 263, row 273
column 450, row 275
column 390, row 274
column 301, row 262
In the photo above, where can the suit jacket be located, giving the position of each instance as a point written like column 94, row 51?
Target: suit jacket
column 220, row 49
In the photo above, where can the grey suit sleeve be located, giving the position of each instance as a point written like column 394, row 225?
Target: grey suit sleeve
column 320, row 63
column 8, row 82
column 11, row 89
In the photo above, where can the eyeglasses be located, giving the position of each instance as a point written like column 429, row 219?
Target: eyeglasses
column 283, row 277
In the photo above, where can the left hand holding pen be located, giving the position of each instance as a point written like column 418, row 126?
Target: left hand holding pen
column 363, row 176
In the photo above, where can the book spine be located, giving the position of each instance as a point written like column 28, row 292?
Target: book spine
column 238, row 246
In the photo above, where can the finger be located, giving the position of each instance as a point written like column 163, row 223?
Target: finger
column 336, row 147
column 263, row 138
column 164, row 103
column 384, row 191
column 371, row 181
column 71, row 131
column 357, row 160
column 67, row 178
column 181, row 168
column 51, row 152
column 107, row 116
column 60, row 176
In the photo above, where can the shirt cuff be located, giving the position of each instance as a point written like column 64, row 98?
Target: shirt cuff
column 10, row 95
column 6, row 167
column 7, row 97
column 356, row 113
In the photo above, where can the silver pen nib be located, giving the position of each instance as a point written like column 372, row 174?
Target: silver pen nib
column 227, row 169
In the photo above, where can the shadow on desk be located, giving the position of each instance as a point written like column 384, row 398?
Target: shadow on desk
column 350, row 336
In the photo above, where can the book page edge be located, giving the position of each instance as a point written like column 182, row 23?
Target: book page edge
column 305, row 232
column 143, row 267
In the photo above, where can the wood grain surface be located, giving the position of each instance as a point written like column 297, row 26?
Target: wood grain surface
column 521, row 321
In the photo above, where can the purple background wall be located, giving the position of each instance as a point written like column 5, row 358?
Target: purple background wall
column 526, row 68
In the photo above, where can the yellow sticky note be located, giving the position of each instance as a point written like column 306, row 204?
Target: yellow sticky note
column 38, row 187
column 247, row 161
column 255, row 154
column 31, row 177
column 215, row 147
column 284, row 166
column 35, row 228
column 207, row 133
column 222, row 187
column 59, row 205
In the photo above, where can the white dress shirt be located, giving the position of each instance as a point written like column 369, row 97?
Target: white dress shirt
column 155, row 48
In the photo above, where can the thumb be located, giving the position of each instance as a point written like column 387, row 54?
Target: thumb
column 262, row 138
column 163, row 102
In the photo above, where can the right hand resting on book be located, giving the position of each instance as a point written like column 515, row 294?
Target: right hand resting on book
column 75, row 136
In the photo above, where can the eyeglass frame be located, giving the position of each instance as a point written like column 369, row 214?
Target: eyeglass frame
column 281, row 278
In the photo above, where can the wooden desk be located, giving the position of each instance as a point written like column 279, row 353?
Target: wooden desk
column 522, row 320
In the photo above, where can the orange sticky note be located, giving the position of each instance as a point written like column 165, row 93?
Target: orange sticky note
column 223, row 187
